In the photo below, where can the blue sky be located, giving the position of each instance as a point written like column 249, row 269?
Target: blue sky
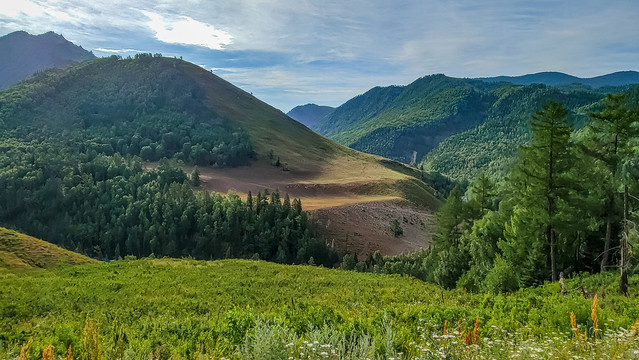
column 291, row 52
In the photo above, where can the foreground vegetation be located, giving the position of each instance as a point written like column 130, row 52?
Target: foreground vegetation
column 567, row 206
column 182, row 309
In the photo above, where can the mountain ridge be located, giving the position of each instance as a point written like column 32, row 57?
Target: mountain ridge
column 23, row 54
column 553, row 78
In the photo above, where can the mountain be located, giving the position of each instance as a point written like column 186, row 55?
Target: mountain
column 619, row 78
column 458, row 127
column 309, row 114
column 405, row 123
column 492, row 146
column 154, row 107
column 20, row 250
column 23, row 54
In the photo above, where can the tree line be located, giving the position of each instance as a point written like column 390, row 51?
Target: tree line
column 566, row 206
column 108, row 206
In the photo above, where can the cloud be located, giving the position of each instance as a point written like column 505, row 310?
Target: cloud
column 119, row 51
column 300, row 51
column 187, row 31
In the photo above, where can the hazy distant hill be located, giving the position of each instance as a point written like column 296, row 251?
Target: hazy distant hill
column 619, row 78
column 23, row 54
column 310, row 114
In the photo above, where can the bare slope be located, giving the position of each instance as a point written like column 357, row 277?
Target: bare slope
column 325, row 175
column 19, row 250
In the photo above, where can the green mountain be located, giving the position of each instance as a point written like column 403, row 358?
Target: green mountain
column 492, row 146
column 458, row 127
column 310, row 114
column 619, row 78
column 83, row 165
column 405, row 123
column 359, row 108
column 23, row 54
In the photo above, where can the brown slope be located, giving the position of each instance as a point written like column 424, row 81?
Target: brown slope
column 333, row 181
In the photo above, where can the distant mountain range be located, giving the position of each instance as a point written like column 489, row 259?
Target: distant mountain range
column 619, row 78
column 23, row 54
column 310, row 114
column 460, row 127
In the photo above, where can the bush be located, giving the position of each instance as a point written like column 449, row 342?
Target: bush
column 396, row 228
column 501, row 278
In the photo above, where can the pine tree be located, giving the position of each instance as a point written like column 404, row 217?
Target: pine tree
column 607, row 141
column 545, row 165
column 195, row 177
column 481, row 195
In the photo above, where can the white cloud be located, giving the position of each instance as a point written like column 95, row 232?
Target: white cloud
column 16, row 8
column 119, row 51
column 187, row 31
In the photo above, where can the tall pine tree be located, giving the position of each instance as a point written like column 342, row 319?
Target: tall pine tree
column 545, row 165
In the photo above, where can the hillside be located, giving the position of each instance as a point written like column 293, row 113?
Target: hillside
column 492, row 146
column 19, row 250
column 168, row 308
column 23, row 54
column 310, row 114
column 458, row 127
column 404, row 123
column 619, row 78
column 153, row 107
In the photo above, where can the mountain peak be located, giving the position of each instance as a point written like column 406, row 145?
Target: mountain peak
column 310, row 114
column 23, row 54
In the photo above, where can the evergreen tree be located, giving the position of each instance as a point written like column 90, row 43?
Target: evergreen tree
column 544, row 166
column 195, row 177
column 607, row 140
column 481, row 196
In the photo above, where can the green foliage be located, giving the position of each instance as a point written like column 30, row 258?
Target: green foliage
column 142, row 106
column 108, row 207
column 195, row 177
column 502, row 278
column 167, row 308
column 396, row 228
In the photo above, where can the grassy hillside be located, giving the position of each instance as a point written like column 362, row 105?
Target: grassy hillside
column 113, row 112
column 184, row 309
column 19, row 250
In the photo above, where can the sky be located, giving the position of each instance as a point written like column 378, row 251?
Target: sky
column 293, row 52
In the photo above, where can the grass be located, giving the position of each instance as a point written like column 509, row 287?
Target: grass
column 320, row 160
column 182, row 309
column 19, row 250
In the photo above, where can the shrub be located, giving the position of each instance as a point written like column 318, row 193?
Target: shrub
column 501, row 278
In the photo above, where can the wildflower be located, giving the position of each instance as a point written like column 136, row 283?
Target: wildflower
column 593, row 315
